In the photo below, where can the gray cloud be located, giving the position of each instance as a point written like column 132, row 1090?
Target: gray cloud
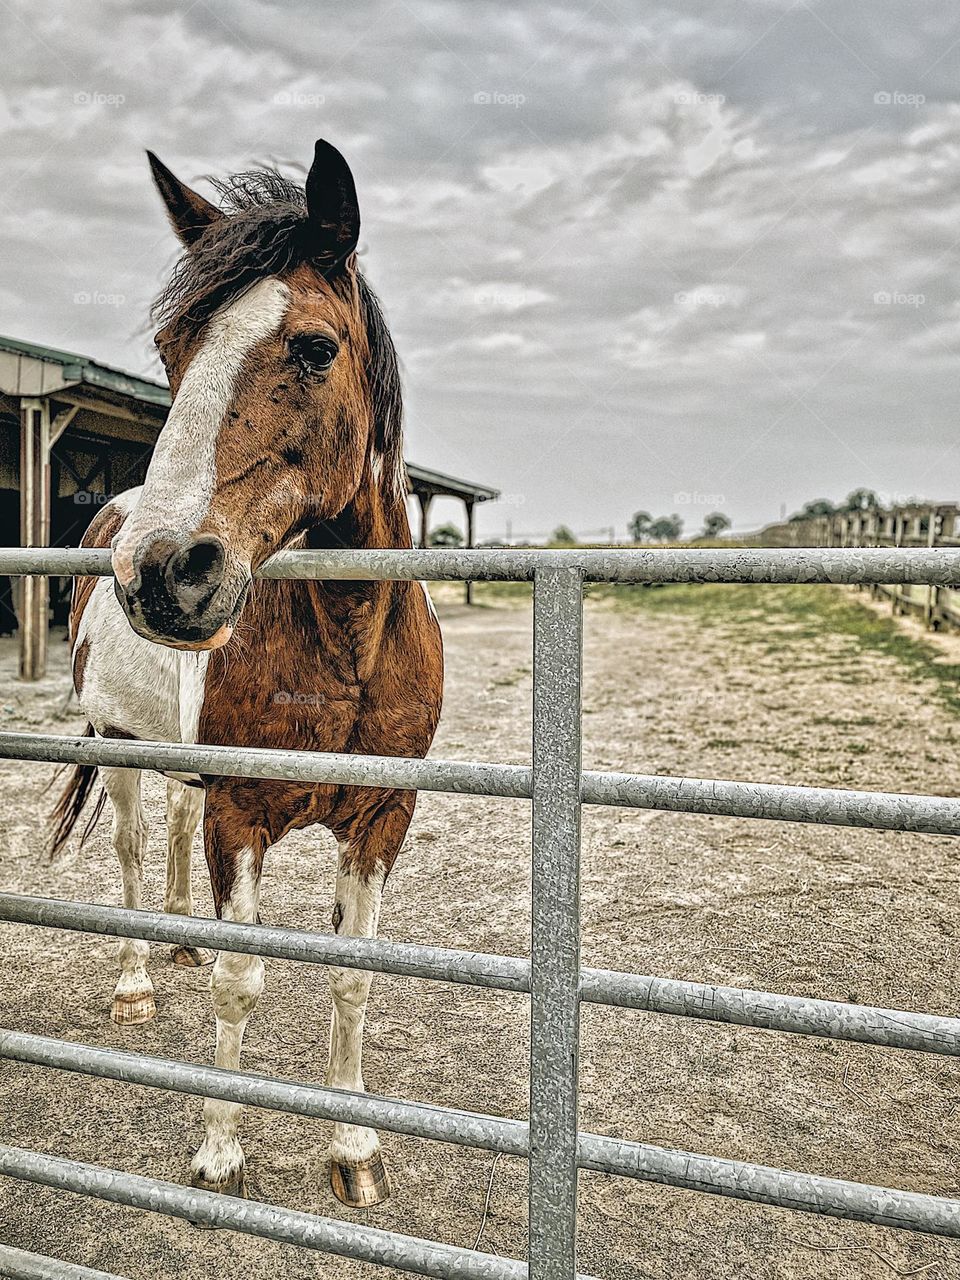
column 629, row 261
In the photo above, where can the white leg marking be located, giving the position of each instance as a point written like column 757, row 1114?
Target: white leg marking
column 181, row 476
column 356, row 915
column 184, row 811
column 130, row 841
column 236, row 985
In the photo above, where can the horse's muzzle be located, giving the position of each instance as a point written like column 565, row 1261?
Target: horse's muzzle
column 184, row 592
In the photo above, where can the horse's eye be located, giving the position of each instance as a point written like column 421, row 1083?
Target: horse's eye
column 314, row 352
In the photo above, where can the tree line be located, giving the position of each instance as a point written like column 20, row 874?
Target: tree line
column 858, row 500
column 643, row 527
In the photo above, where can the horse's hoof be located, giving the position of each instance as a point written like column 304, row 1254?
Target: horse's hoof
column 359, row 1186
column 192, row 957
column 130, row 1011
column 235, row 1185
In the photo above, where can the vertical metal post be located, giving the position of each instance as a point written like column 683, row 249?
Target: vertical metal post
column 555, row 948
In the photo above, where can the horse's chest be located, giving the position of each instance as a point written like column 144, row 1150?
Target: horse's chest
column 306, row 701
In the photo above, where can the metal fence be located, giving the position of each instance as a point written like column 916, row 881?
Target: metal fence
column 553, row 977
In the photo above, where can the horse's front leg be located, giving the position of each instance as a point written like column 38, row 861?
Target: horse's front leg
column 368, row 848
column 184, row 811
column 133, row 1000
column 234, row 858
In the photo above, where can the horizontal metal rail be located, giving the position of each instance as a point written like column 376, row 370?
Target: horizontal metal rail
column 874, row 810
column 768, row 1011
column 765, row 1010
column 759, row 1183
column 737, row 1179
column 17, row 1264
column 932, row 566
column 776, row 802
column 270, row 1222
column 504, row 781
column 764, row 1184
column 416, row 1119
column 406, row 959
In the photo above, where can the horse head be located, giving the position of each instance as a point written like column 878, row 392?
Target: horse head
column 285, row 396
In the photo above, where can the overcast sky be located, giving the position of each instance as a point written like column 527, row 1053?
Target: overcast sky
column 634, row 255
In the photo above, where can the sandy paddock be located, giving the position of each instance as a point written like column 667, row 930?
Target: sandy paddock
column 741, row 689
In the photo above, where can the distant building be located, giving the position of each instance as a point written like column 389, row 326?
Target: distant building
column 74, row 431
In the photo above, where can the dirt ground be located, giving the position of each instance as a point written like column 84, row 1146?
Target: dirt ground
column 797, row 685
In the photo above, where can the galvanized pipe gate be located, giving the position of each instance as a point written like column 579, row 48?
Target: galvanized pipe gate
column 553, row 977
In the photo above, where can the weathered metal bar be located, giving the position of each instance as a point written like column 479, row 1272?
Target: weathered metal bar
column 594, row 1152
column 874, row 810
column 439, row 1124
column 798, row 1015
column 17, row 1264
column 270, row 1222
column 938, row 566
column 555, row 922
column 459, row 778
column 738, row 1179
column 865, row 1024
column 762, row 1184
column 438, row 964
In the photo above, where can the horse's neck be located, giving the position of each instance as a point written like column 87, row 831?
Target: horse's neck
column 369, row 521
column 355, row 609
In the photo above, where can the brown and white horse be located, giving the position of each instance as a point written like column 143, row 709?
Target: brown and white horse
column 285, row 429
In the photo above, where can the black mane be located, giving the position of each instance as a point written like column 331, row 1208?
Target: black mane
column 266, row 233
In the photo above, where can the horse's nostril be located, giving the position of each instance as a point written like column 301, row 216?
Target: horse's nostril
column 198, row 565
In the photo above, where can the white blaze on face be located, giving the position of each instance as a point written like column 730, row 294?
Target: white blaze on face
column 180, row 479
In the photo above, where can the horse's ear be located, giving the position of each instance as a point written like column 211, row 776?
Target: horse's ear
column 190, row 214
column 333, row 210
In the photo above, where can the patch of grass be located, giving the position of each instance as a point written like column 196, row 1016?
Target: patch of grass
column 845, row 722
column 510, row 678
column 784, row 615
column 777, row 621
column 487, row 595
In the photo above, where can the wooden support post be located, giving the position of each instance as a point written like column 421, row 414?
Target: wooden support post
column 34, row 532
column 930, row 608
column 896, row 591
column 60, row 423
column 424, row 499
column 468, row 586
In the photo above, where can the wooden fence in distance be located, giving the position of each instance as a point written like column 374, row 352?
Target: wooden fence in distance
column 916, row 525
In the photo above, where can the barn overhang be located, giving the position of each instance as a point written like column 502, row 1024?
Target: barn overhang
column 46, row 393
column 73, row 429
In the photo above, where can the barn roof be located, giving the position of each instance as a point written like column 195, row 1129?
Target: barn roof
column 78, row 369
column 435, row 482
column 73, row 370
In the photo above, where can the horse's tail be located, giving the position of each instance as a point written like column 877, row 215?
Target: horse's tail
column 66, row 812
